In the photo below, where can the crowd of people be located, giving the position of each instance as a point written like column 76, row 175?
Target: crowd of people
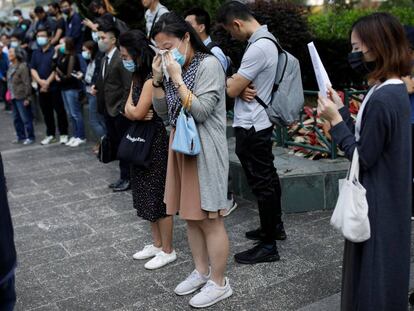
column 150, row 79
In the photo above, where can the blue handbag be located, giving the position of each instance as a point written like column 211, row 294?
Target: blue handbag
column 186, row 139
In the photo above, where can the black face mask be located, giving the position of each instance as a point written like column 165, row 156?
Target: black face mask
column 357, row 63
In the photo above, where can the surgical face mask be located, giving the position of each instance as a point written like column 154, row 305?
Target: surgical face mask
column 357, row 63
column 179, row 58
column 66, row 11
column 41, row 41
column 86, row 55
column 14, row 44
column 129, row 65
column 62, row 49
column 95, row 36
column 14, row 19
column 103, row 47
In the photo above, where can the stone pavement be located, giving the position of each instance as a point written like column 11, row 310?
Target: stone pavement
column 75, row 239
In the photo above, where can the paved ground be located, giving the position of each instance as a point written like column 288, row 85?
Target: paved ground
column 75, row 240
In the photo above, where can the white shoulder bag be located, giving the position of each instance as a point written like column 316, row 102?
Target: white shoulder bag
column 351, row 211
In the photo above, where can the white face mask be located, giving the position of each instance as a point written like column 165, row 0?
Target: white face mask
column 95, row 36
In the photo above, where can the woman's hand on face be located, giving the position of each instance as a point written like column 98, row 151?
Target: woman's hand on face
column 173, row 68
column 156, row 68
column 333, row 95
column 328, row 110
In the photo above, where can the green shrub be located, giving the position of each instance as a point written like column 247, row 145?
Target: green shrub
column 335, row 25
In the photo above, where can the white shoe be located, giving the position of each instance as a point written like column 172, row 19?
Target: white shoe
column 148, row 252
column 231, row 206
column 77, row 142
column 160, row 260
column 64, row 139
column 28, row 141
column 48, row 140
column 193, row 282
column 70, row 142
column 210, row 294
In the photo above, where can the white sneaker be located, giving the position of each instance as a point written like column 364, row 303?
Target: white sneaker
column 210, row 294
column 193, row 282
column 70, row 142
column 148, row 252
column 48, row 140
column 77, row 142
column 160, row 260
column 231, row 206
column 64, row 139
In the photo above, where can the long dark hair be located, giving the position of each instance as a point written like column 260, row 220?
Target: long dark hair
column 175, row 25
column 70, row 46
column 384, row 35
column 138, row 46
column 105, row 4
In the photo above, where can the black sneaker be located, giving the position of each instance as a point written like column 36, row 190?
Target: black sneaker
column 258, row 254
column 258, row 235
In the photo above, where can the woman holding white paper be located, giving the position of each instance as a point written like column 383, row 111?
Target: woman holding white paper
column 376, row 272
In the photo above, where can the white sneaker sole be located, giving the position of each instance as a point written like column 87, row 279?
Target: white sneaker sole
column 160, row 266
column 231, row 209
column 190, row 291
column 218, row 299
column 143, row 258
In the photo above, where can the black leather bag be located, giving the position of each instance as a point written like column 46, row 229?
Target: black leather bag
column 135, row 147
column 106, row 152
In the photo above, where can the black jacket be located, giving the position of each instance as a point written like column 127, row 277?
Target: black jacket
column 7, row 248
column 113, row 89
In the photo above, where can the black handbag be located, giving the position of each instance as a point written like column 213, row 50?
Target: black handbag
column 135, row 147
column 106, row 152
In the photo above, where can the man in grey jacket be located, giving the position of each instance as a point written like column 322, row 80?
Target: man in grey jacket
column 112, row 88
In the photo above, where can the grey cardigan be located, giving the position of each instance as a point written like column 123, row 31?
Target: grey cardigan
column 209, row 112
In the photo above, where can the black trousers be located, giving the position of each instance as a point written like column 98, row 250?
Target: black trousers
column 116, row 129
column 254, row 150
column 51, row 102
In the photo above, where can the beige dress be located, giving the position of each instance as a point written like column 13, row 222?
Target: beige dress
column 182, row 187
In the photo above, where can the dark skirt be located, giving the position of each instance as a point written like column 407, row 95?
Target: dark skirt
column 148, row 185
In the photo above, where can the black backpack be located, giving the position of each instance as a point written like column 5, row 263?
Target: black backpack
column 231, row 70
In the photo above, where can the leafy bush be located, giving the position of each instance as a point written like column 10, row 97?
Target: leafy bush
column 335, row 25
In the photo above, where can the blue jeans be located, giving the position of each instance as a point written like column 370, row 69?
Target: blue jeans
column 7, row 295
column 96, row 120
column 23, row 120
column 74, row 110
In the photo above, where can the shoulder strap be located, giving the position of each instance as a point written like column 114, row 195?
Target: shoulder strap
column 275, row 85
column 211, row 45
column 153, row 24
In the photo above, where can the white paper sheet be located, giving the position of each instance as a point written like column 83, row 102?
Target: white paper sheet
column 320, row 72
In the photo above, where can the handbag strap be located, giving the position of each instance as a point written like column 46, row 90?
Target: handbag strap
column 353, row 173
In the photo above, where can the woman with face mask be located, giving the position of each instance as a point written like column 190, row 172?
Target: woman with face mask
column 96, row 120
column 376, row 272
column 148, row 184
column 19, row 84
column 69, row 76
column 196, row 186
